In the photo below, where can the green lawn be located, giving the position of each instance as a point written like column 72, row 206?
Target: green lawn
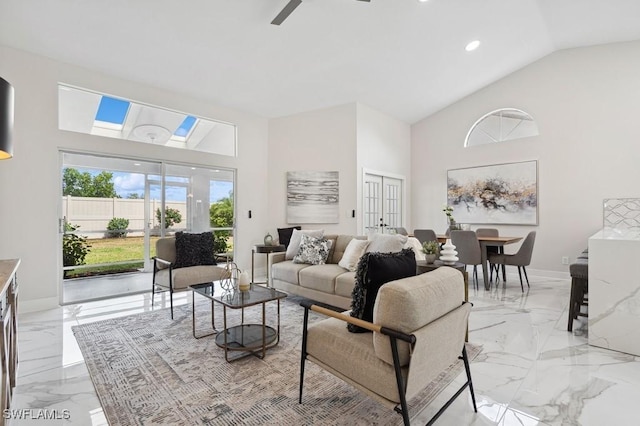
column 108, row 250
column 112, row 250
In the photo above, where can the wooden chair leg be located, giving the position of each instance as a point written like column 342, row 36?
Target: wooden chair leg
column 524, row 268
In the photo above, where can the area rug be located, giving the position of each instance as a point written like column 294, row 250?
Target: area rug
column 149, row 370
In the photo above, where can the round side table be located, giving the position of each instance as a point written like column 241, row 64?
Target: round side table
column 264, row 249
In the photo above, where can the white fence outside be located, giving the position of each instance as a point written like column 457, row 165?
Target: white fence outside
column 93, row 214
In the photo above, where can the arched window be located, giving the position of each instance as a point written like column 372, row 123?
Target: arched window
column 501, row 125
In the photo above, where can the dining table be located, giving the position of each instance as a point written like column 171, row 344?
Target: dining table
column 484, row 243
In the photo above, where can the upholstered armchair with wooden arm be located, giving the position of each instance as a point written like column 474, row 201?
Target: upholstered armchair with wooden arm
column 418, row 330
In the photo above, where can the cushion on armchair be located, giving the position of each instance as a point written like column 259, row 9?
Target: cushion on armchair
column 374, row 270
column 194, row 249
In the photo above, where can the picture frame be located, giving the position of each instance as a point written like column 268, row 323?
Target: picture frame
column 504, row 194
column 312, row 197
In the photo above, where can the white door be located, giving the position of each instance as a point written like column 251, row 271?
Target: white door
column 382, row 203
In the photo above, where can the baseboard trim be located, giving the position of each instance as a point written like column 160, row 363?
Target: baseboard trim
column 35, row 305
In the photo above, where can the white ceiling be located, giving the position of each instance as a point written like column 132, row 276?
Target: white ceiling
column 401, row 57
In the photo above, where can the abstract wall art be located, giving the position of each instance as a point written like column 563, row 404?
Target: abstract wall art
column 496, row 194
column 312, row 197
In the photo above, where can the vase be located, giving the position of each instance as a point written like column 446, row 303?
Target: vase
column 430, row 258
column 244, row 284
column 448, row 253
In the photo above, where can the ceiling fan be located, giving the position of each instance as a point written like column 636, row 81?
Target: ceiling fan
column 290, row 7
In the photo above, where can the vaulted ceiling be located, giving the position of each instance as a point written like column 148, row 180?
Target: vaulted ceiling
column 402, row 57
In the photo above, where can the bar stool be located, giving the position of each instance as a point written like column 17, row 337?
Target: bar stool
column 579, row 288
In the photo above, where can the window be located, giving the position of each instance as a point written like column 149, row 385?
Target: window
column 501, row 125
column 104, row 115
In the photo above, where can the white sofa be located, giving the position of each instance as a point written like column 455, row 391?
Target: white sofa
column 328, row 283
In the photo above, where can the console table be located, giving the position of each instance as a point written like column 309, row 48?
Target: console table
column 8, row 329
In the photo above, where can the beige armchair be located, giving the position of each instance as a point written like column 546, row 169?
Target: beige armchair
column 168, row 278
column 418, row 327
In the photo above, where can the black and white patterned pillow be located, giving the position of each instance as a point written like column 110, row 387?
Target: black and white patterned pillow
column 314, row 251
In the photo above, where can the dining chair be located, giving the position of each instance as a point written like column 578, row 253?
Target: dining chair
column 521, row 259
column 491, row 232
column 424, row 235
column 401, row 230
column 469, row 251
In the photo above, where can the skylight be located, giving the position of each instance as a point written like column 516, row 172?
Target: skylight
column 183, row 131
column 112, row 116
column 111, row 113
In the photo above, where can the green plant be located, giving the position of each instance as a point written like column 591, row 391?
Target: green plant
column 430, row 247
column 448, row 210
column 219, row 242
column 117, row 227
column 171, row 216
column 74, row 247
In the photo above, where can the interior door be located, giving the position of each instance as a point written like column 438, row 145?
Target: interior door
column 382, row 203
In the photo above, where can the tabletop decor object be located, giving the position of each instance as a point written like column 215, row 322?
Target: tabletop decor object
column 448, row 253
column 430, row 249
column 268, row 240
column 244, row 283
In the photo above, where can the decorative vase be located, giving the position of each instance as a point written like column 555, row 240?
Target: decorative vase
column 448, row 253
column 243, row 281
column 268, row 240
column 430, row 258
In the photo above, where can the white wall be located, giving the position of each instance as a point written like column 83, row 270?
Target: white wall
column 383, row 146
column 30, row 189
column 321, row 140
column 586, row 102
column 346, row 138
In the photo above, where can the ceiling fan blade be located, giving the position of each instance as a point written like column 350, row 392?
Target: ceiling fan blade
column 284, row 13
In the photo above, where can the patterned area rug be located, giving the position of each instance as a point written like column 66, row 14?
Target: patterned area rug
column 148, row 369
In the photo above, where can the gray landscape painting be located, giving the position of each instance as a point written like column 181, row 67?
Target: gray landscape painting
column 312, row 197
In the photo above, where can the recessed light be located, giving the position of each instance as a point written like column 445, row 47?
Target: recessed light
column 136, row 164
column 472, row 46
column 423, row 1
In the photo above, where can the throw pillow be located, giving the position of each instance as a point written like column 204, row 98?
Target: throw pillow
column 313, row 250
column 374, row 270
column 194, row 249
column 284, row 235
column 352, row 254
column 296, row 238
column 386, row 243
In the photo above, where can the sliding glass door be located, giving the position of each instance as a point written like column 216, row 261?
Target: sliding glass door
column 114, row 209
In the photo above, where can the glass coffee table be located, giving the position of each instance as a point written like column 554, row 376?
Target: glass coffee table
column 244, row 339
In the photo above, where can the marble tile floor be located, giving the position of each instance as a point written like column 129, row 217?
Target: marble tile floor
column 531, row 370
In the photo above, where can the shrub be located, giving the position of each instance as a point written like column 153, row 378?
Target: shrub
column 74, row 247
column 171, row 216
column 219, row 242
column 117, row 227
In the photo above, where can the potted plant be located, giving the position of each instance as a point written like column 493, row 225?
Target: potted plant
column 430, row 249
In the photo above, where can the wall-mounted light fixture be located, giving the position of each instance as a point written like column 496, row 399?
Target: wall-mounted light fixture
column 6, row 119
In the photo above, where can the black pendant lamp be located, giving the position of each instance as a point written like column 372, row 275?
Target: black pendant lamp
column 6, row 119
